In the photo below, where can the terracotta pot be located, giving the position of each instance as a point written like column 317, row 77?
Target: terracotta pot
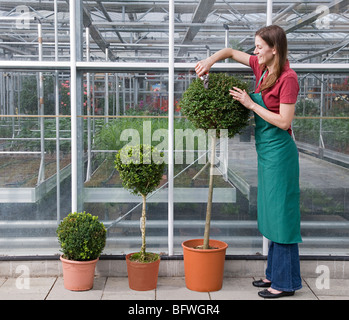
column 78, row 275
column 204, row 269
column 142, row 276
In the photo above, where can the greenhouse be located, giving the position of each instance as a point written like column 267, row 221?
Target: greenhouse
column 81, row 79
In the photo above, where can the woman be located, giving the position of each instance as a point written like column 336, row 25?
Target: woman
column 273, row 104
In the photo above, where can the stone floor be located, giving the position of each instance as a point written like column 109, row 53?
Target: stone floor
column 169, row 288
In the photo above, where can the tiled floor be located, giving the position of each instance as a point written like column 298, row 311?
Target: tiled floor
column 169, row 288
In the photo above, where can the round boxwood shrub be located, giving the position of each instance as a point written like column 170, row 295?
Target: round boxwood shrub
column 82, row 236
column 140, row 168
column 214, row 108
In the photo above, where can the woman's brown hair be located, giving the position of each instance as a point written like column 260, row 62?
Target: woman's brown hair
column 275, row 37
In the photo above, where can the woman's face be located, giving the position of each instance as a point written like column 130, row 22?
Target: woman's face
column 264, row 53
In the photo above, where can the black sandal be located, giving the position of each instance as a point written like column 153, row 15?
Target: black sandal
column 268, row 295
column 261, row 284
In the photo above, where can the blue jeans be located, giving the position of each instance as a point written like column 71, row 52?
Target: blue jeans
column 283, row 268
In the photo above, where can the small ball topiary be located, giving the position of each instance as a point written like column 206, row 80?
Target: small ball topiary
column 140, row 171
column 82, row 236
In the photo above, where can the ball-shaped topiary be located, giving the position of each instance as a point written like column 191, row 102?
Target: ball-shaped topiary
column 140, row 168
column 214, row 107
column 82, row 236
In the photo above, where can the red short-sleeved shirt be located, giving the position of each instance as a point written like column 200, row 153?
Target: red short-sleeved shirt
column 285, row 89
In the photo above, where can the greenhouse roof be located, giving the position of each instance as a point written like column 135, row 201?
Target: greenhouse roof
column 138, row 30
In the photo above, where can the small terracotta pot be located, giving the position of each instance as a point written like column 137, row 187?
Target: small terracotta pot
column 78, row 275
column 142, row 276
column 204, row 269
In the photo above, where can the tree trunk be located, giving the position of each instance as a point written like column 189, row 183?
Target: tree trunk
column 142, row 252
column 210, row 192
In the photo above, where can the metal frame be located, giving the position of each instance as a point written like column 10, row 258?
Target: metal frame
column 141, row 67
column 139, row 30
column 110, row 48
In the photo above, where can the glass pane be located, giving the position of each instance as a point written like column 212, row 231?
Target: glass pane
column 137, row 112
column 20, row 24
column 234, row 194
column 30, row 204
column 321, row 131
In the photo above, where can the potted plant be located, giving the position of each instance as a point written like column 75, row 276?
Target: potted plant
column 82, row 239
column 141, row 171
column 209, row 106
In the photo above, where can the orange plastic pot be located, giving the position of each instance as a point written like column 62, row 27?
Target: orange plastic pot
column 142, row 276
column 78, row 275
column 204, row 269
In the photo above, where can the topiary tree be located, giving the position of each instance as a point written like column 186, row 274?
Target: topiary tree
column 213, row 108
column 140, row 168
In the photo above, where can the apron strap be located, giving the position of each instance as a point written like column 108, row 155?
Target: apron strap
column 261, row 78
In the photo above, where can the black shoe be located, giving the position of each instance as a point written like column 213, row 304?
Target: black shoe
column 268, row 295
column 261, row 284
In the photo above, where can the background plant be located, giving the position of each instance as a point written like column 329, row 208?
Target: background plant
column 108, row 136
column 30, row 129
column 334, row 129
column 29, row 95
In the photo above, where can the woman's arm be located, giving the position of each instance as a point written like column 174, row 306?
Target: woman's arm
column 282, row 120
column 204, row 66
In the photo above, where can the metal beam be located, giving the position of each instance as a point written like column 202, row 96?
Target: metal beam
column 200, row 16
column 337, row 46
column 157, row 67
column 96, row 35
column 106, row 14
column 307, row 19
column 313, row 16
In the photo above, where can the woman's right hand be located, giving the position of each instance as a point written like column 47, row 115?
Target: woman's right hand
column 202, row 67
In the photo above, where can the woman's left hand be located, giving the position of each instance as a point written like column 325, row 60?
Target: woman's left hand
column 242, row 96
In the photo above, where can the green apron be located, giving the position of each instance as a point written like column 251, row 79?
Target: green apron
column 278, row 181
